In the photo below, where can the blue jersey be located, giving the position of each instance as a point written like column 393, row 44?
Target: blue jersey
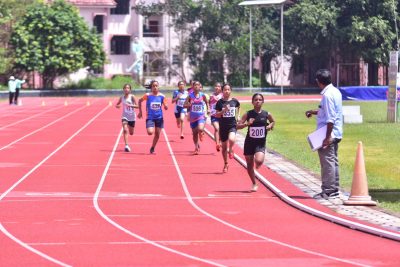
column 180, row 101
column 153, row 105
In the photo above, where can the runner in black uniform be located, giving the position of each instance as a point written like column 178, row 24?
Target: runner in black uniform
column 227, row 110
column 259, row 122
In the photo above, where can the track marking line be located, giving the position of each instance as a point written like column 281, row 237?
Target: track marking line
column 190, row 199
column 112, row 222
column 28, row 118
column 41, row 128
column 2, row 196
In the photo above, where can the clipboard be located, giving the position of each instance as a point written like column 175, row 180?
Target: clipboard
column 316, row 138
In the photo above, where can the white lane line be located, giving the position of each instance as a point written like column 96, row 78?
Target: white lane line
column 28, row 118
column 41, row 128
column 112, row 222
column 190, row 199
column 2, row 196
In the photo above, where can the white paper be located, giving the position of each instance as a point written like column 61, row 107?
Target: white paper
column 316, row 138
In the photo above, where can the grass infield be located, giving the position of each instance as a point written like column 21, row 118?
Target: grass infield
column 381, row 143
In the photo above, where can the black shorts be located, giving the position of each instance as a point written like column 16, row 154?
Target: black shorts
column 224, row 133
column 130, row 123
column 251, row 148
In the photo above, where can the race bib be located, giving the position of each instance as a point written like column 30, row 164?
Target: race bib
column 257, row 132
column 155, row 106
column 128, row 109
column 197, row 108
column 180, row 102
column 231, row 112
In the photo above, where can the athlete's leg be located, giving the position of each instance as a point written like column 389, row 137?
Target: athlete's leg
column 250, row 168
column 259, row 159
column 231, row 141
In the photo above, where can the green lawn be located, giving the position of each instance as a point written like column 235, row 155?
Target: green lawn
column 381, row 142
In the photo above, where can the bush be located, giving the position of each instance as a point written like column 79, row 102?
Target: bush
column 101, row 83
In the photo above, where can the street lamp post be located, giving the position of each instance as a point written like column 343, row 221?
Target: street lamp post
column 265, row 3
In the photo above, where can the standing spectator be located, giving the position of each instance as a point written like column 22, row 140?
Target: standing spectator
column 329, row 113
column 14, row 85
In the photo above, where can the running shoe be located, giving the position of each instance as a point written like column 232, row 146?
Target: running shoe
column 152, row 150
column 254, row 188
column 182, row 137
column 127, row 148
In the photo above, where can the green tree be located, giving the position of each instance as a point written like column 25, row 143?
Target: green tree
column 218, row 36
column 353, row 28
column 54, row 40
column 10, row 12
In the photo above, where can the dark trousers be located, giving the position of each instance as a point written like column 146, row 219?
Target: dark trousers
column 16, row 96
column 11, row 97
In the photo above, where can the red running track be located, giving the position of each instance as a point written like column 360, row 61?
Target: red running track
column 70, row 196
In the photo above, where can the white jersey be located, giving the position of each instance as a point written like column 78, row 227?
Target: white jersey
column 128, row 112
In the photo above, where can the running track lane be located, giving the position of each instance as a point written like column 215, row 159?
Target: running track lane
column 154, row 205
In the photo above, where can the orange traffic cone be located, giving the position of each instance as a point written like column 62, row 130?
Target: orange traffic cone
column 359, row 187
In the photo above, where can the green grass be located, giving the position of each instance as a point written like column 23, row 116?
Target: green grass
column 381, row 143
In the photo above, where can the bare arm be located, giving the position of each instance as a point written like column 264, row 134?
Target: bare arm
column 242, row 123
column 118, row 103
column 271, row 120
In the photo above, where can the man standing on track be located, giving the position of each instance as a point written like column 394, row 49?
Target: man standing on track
column 329, row 114
column 155, row 120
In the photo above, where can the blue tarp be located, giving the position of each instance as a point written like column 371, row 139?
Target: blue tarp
column 365, row 92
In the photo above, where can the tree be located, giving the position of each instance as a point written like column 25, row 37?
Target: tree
column 10, row 12
column 354, row 29
column 218, row 37
column 54, row 40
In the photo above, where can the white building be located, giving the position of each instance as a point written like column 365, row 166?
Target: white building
column 118, row 23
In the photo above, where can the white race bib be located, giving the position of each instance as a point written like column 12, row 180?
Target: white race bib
column 155, row 105
column 257, row 132
column 231, row 112
column 180, row 102
column 128, row 109
column 197, row 108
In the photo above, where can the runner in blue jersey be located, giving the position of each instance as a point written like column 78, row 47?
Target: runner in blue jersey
column 196, row 103
column 179, row 97
column 154, row 120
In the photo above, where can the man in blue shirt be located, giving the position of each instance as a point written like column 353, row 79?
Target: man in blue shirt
column 329, row 114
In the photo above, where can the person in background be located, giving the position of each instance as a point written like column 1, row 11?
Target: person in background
column 155, row 119
column 179, row 97
column 129, row 103
column 227, row 110
column 196, row 103
column 330, row 114
column 259, row 122
column 14, row 86
column 214, row 97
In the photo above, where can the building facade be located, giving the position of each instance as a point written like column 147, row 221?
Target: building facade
column 118, row 24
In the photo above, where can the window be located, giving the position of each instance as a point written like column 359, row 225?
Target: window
column 98, row 23
column 176, row 60
column 122, row 7
column 120, row 45
column 151, row 27
column 153, row 64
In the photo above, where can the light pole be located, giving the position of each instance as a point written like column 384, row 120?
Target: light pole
column 265, row 3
